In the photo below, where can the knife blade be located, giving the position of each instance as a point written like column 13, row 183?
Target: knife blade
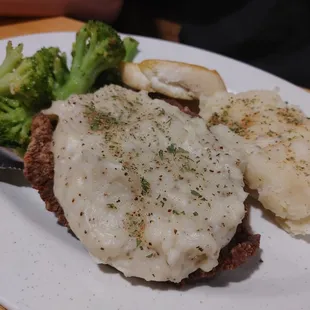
column 9, row 160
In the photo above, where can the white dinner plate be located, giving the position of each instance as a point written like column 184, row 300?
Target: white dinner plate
column 42, row 267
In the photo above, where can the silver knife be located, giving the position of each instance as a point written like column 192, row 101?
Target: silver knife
column 9, row 160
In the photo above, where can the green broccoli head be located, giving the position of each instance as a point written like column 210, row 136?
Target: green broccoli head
column 34, row 79
column 57, row 66
column 15, row 123
column 12, row 58
column 113, row 75
column 97, row 48
column 29, row 84
column 29, row 80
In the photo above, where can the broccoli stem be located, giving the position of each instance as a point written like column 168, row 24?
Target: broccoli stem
column 131, row 48
column 81, row 80
column 76, row 85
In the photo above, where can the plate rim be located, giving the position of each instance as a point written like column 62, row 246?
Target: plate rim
column 176, row 45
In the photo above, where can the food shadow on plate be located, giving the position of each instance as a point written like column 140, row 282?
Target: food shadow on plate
column 268, row 215
column 13, row 177
column 303, row 238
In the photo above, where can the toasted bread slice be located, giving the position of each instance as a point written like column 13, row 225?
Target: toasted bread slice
column 174, row 79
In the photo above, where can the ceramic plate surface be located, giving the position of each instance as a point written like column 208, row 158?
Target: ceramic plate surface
column 42, row 267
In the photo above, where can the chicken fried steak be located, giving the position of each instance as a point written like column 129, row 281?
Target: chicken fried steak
column 39, row 170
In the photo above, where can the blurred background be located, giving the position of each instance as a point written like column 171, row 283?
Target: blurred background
column 273, row 35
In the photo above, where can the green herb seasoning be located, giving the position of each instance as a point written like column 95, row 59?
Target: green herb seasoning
column 99, row 120
column 195, row 193
column 169, row 121
column 145, row 186
column 171, row 148
column 162, row 112
column 111, row 206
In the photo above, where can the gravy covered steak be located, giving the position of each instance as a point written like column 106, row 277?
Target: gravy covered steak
column 272, row 140
column 145, row 187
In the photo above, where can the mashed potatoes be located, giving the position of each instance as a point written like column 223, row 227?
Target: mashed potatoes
column 272, row 141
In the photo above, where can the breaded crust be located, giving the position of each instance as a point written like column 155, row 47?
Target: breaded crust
column 39, row 170
column 39, row 164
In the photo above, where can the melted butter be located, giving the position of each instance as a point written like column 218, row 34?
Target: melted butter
column 145, row 187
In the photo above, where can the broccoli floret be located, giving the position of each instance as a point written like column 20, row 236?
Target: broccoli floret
column 97, row 48
column 58, row 69
column 113, row 75
column 29, row 84
column 12, row 59
column 29, row 87
column 15, row 123
column 30, row 81
column 131, row 48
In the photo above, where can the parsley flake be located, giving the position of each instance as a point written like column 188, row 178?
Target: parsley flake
column 171, row 148
column 145, row 186
column 195, row 193
column 162, row 112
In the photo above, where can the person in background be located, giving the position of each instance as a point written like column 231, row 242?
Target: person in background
column 107, row 10
column 273, row 35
